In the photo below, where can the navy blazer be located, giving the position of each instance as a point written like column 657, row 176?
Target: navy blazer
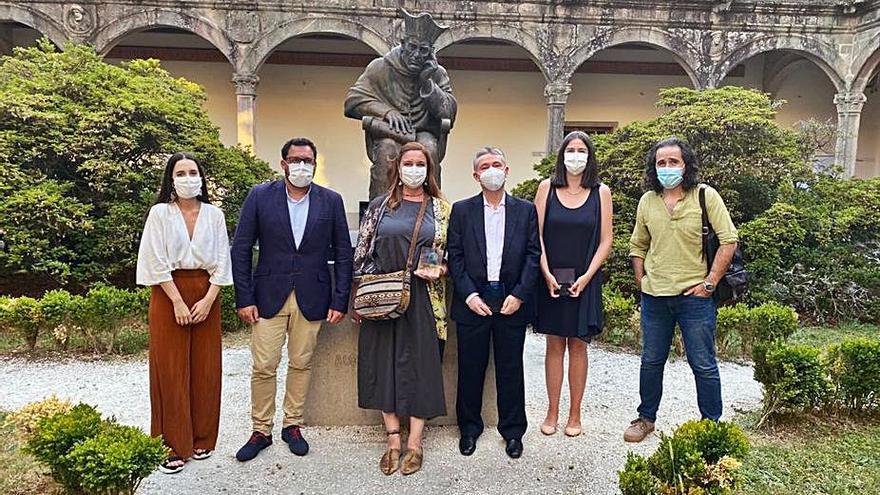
column 520, row 259
column 282, row 265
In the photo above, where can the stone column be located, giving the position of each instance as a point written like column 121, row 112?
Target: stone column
column 246, row 96
column 556, row 93
column 849, row 114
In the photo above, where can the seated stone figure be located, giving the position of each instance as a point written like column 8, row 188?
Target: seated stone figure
column 401, row 97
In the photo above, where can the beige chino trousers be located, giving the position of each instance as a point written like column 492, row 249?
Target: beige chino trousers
column 267, row 339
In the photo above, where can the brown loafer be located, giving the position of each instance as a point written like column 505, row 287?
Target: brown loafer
column 412, row 462
column 390, row 461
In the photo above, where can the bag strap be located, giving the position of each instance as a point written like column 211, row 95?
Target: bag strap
column 416, row 228
column 706, row 224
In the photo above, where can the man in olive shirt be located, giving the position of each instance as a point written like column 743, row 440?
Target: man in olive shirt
column 670, row 270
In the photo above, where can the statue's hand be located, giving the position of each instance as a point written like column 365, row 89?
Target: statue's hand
column 428, row 71
column 398, row 122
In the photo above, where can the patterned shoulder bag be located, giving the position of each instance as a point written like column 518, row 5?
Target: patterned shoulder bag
column 386, row 296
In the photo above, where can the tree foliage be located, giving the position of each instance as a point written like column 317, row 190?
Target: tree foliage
column 82, row 147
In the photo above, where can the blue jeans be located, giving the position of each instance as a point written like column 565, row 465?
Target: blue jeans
column 696, row 317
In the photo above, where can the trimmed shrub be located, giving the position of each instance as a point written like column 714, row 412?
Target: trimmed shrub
column 105, row 311
column 795, row 379
column 699, row 457
column 57, row 435
column 22, row 316
column 636, row 477
column 116, row 460
column 855, row 373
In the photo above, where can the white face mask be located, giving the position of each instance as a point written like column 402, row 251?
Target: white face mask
column 413, row 176
column 576, row 162
column 493, row 178
column 188, row 187
column 300, row 174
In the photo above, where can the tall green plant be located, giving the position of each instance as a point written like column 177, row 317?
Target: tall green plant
column 82, row 147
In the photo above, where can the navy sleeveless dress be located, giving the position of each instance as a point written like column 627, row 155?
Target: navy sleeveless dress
column 571, row 238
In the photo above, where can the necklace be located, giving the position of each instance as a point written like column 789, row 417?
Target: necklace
column 567, row 191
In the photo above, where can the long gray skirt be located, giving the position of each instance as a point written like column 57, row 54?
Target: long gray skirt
column 399, row 368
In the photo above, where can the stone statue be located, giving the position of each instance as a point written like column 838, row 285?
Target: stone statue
column 401, row 97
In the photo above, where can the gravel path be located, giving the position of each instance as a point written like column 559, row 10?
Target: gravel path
column 345, row 459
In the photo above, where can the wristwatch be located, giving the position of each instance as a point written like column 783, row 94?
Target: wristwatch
column 710, row 287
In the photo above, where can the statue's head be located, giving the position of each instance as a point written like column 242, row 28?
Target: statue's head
column 417, row 43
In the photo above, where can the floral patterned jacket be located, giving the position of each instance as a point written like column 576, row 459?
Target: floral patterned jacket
column 366, row 236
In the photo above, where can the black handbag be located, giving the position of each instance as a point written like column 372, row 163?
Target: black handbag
column 733, row 285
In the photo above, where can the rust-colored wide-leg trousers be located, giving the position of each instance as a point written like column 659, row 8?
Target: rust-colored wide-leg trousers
column 185, row 368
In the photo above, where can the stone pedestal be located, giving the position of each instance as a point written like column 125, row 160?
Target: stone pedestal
column 332, row 399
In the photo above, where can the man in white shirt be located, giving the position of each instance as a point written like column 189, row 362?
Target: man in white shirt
column 494, row 256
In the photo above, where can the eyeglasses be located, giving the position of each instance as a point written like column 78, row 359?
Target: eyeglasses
column 293, row 161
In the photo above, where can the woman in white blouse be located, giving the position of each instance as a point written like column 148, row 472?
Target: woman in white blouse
column 184, row 257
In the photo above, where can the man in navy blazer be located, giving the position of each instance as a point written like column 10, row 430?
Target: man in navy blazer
column 299, row 227
column 494, row 255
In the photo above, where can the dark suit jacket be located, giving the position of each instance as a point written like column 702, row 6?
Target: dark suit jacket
column 520, row 261
column 282, row 265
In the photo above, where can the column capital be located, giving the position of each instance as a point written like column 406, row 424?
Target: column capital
column 246, row 84
column 850, row 102
column 556, row 92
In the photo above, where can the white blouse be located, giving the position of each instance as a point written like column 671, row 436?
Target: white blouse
column 166, row 246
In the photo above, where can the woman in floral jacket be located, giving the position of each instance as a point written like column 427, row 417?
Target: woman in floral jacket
column 399, row 360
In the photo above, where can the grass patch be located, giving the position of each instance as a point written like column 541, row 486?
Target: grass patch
column 20, row 474
column 807, row 455
column 823, row 337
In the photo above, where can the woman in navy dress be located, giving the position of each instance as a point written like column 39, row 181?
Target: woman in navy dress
column 574, row 216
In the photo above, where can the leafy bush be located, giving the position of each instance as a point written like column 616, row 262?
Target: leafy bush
column 818, row 250
column 620, row 312
column 22, row 316
column 700, row 457
column 105, row 311
column 80, row 162
column 116, row 460
column 57, row 435
column 636, row 477
column 740, row 328
column 795, row 379
column 26, row 419
column 89, row 455
column 855, row 372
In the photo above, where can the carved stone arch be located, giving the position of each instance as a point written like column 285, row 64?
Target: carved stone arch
column 684, row 52
column 36, row 20
column 867, row 63
column 487, row 30
column 110, row 34
column 814, row 49
column 267, row 43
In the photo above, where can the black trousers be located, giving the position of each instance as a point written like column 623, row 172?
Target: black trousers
column 473, row 357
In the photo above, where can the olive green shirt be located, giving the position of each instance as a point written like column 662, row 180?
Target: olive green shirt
column 671, row 243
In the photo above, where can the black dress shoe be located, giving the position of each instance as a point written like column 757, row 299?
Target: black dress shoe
column 514, row 448
column 467, row 445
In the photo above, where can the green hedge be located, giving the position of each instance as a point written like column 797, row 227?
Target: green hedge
column 87, row 454
column 105, row 320
column 805, row 379
column 699, row 457
column 739, row 328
